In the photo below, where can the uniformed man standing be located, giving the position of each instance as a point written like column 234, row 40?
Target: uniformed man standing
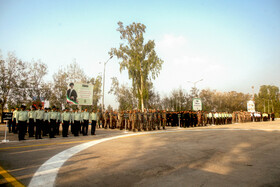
column 209, row 118
column 31, row 116
column 130, row 116
column 39, row 116
column 58, row 121
column 159, row 119
column 155, row 119
column 52, row 121
column 99, row 119
column 66, row 120
column 85, row 119
column 140, row 120
column 46, row 122
column 115, row 119
column 150, row 119
column 111, row 116
column 92, row 120
column 145, row 120
column 134, row 121
column 22, row 120
column 120, row 120
column 77, row 122
column 14, row 120
column 10, row 122
column 106, row 119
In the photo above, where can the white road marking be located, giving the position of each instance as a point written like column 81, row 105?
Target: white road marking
column 46, row 174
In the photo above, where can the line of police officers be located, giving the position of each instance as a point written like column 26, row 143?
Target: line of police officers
column 43, row 122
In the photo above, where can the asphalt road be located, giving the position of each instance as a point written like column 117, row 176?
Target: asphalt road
column 229, row 155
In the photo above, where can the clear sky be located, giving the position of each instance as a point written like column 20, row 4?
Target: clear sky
column 231, row 45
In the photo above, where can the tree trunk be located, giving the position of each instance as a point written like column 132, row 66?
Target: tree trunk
column 2, row 108
column 141, row 92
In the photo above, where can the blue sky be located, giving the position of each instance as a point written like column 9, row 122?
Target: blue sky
column 232, row 45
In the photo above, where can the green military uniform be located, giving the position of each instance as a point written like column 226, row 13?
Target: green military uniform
column 32, row 120
column 93, row 120
column 53, row 118
column 39, row 117
column 66, row 119
column 77, row 123
column 22, row 120
column 85, row 120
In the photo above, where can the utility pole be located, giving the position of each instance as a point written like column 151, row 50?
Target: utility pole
column 104, row 82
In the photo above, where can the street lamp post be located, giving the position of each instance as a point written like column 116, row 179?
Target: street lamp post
column 194, row 83
column 104, row 82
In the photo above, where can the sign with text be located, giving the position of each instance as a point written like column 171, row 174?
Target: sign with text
column 196, row 104
column 80, row 94
column 7, row 115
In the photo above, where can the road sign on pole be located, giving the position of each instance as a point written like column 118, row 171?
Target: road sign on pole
column 196, row 104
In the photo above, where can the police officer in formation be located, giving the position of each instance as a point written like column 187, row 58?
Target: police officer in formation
column 14, row 127
column 85, row 122
column 93, row 121
column 66, row 121
column 21, row 122
column 32, row 120
column 52, row 118
column 39, row 117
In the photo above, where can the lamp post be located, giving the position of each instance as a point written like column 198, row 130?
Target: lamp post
column 194, row 83
column 104, row 82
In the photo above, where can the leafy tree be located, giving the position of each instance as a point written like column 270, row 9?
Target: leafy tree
column 96, row 82
column 223, row 101
column 207, row 98
column 59, row 88
column 11, row 80
column 194, row 92
column 36, row 86
column 154, row 101
column 75, row 73
column 267, row 100
column 124, row 95
column 178, row 100
column 139, row 58
column 109, row 108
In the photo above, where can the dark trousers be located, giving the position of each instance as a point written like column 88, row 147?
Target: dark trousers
column 21, row 129
column 85, row 127
column 31, row 128
column 76, row 128
column 14, row 127
column 10, row 124
column 72, row 127
column 93, row 126
column 39, row 124
column 80, row 130
column 65, row 128
column 45, row 127
column 52, row 128
column 57, row 128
